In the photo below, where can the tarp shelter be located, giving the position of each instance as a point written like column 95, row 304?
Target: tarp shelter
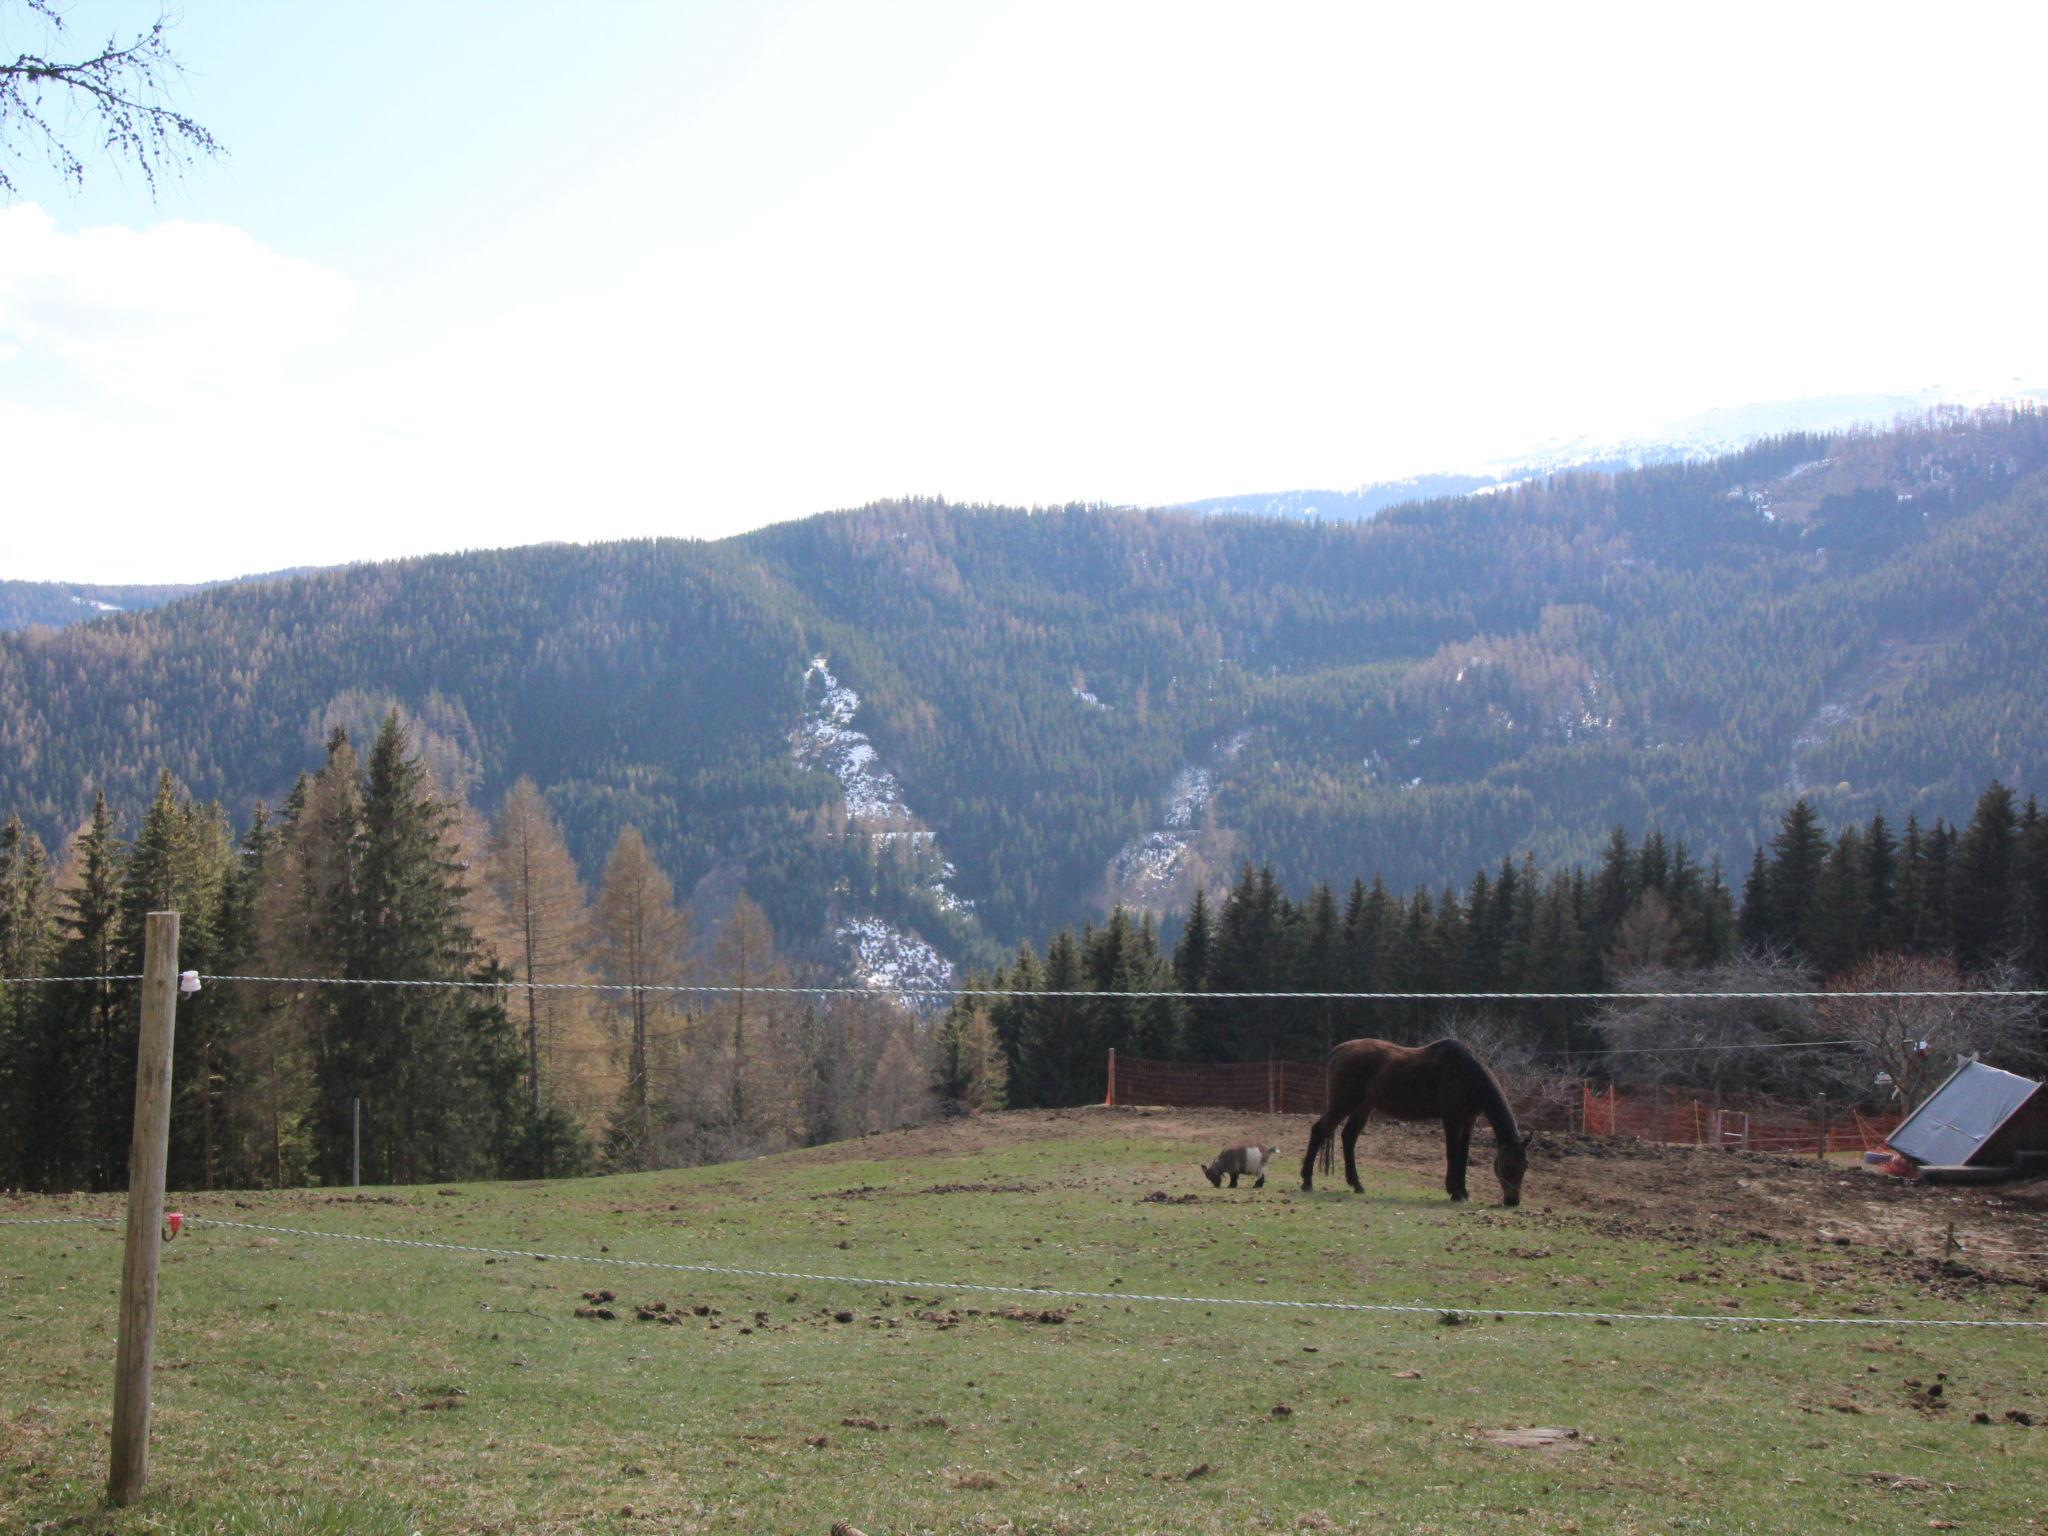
column 1981, row 1117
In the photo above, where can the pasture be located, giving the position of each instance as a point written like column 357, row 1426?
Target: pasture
column 313, row 1385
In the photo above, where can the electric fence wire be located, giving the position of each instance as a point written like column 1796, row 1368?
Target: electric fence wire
column 690, row 988
column 942, row 1287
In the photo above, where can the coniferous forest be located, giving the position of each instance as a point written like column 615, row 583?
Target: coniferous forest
column 1731, row 720
column 365, row 872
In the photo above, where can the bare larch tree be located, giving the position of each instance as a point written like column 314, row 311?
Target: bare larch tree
column 119, row 94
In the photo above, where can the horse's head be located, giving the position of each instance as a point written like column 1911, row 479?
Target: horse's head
column 1212, row 1172
column 1509, row 1164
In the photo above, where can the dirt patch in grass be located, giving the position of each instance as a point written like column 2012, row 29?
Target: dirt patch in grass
column 1676, row 1194
column 1534, row 1439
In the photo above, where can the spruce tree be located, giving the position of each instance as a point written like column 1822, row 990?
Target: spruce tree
column 1053, row 1065
column 438, row 1069
column 1987, row 912
column 1191, row 954
column 1792, row 889
column 32, row 1063
column 969, row 1072
column 90, row 1042
column 2033, row 881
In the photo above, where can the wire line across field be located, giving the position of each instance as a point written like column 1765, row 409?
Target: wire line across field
column 690, row 988
column 1273, row 1303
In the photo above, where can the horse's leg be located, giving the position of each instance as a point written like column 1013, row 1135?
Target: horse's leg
column 1457, row 1153
column 1233, row 1181
column 1317, row 1134
column 1351, row 1129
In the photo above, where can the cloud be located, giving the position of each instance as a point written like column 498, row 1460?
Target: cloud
column 177, row 307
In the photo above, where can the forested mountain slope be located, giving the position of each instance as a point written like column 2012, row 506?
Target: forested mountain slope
column 55, row 604
column 1860, row 616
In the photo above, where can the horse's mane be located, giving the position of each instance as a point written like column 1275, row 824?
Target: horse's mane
column 1484, row 1089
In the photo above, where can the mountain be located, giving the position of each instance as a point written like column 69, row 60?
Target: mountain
column 1710, row 434
column 1344, row 506
column 54, row 604
column 920, row 732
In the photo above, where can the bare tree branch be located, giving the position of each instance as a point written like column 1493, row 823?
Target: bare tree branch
column 121, row 95
column 1915, row 1042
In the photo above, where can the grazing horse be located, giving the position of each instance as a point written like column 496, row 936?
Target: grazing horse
column 1439, row 1081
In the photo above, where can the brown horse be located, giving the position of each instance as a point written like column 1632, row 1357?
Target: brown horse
column 1439, row 1081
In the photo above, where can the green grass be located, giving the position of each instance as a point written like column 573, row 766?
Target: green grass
column 305, row 1385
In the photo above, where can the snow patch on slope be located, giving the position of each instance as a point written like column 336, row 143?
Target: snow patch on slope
column 828, row 740
column 881, row 955
column 1146, row 871
column 886, row 958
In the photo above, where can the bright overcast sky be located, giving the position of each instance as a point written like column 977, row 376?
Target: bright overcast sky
column 500, row 272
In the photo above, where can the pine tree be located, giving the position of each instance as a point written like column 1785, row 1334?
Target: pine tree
column 1939, row 889
column 438, row 1069
column 29, row 1060
column 1792, row 889
column 1191, row 954
column 1880, row 886
column 969, row 1072
column 1319, row 968
column 1987, row 912
column 90, row 1033
column 272, row 1071
column 1911, row 919
column 1838, row 931
column 2033, row 877
column 1614, row 888
column 1053, row 1065
column 1754, row 927
column 1011, row 1015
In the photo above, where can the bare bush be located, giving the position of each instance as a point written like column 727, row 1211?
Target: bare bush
column 1541, row 1093
column 1719, row 1045
column 1906, row 1046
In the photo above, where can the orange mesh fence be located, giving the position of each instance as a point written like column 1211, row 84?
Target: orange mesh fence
column 1264, row 1087
column 1645, row 1112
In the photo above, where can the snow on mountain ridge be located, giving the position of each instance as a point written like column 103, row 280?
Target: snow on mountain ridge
column 1688, row 439
column 1728, row 429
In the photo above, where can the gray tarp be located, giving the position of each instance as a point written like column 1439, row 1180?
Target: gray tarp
column 1962, row 1114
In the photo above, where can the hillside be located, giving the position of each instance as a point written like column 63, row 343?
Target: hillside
column 313, row 1383
column 974, row 725
column 1688, row 440
column 54, row 604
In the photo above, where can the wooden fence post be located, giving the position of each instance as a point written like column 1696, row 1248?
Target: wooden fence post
column 355, row 1143
column 147, row 1154
column 1821, row 1151
column 1110, row 1098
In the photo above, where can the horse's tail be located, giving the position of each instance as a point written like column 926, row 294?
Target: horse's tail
column 1329, row 1103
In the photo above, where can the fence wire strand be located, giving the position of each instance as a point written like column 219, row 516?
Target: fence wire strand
column 691, row 988
column 1270, row 1303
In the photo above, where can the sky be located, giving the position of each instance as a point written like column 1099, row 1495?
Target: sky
column 491, row 272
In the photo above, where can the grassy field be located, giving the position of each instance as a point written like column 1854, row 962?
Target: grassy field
column 316, row 1385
